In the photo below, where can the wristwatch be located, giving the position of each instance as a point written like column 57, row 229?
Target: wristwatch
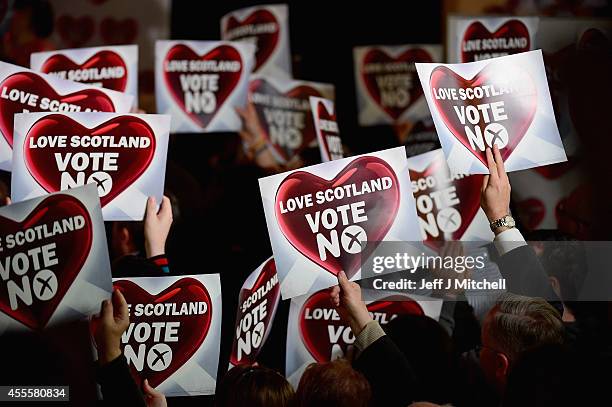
column 505, row 222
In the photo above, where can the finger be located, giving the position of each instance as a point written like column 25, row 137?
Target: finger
column 492, row 167
column 343, row 280
column 334, row 295
column 151, row 204
column 499, row 162
column 149, row 390
column 120, row 304
column 241, row 112
column 8, row 200
column 250, row 108
column 485, row 182
column 106, row 311
column 165, row 210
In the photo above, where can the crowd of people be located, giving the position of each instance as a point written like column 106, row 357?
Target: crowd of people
column 534, row 346
column 530, row 352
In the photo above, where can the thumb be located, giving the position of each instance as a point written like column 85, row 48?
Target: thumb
column 343, row 280
column 148, row 390
column 106, row 312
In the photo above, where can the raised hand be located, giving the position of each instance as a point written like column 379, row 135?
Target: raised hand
column 109, row 325
column 157, row 226
column 346, row 297
column 495, row 193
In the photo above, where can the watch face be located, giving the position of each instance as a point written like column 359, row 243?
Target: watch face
column 510, row 221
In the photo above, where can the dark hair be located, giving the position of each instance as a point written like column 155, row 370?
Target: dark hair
column 253, row 386
column 517, row 324
column 332, row 384
column 430, row 353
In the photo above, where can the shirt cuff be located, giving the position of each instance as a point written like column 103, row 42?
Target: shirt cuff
column 509, row 240
column 370, row 334
column 161, row 261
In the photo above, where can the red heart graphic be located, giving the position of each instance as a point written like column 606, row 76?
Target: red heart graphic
column 30, row 83
column 316, row 327
column 191, row 332
column 380, row 208
column 101, row 60
column 131, row 162
column 509, row 31
column 301, row 105
column 268, row 273
column 116, row 32
column 519, row 105
column 531, row 212
column 71, row 251
column 403, row 65
column 266, row 41
column 323, row 114
column 467, row 192
column 75, row 32
column 227, row 80
column 595, row 39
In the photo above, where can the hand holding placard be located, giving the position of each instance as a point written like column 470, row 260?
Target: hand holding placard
column 502, row 101
column 495, row 198
column 157, row 226
column 346, row 297
column 109, row 325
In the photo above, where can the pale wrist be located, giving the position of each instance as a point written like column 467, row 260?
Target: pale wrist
column 360, row 321
column 153, row 250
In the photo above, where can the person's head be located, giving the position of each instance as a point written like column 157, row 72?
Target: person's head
column 430, row 353
column 566, row 266
column 332, row 384
column 254, row 386
column 126, row 238
column 513, row 326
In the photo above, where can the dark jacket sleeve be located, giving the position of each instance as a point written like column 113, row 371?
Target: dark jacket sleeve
column 525, row 275
column 161, row 261
column 118, row 386
column 388, row 371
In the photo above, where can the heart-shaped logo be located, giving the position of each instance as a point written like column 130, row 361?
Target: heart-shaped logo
column 262, row 25
column 118, row 32
column 393, row 82
column 155, row 358
column 502, row 106
column 479, row 43
column 286, row 117
column 329, row 132
column 326, row 335
column 26, row 84
column 250, row 310
column 101, row 61
column 226, row 82
column 46, row 164
column 354, row 236
column 531, row 212
column 457, row 201
column 48, row 283
column 75, row 32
